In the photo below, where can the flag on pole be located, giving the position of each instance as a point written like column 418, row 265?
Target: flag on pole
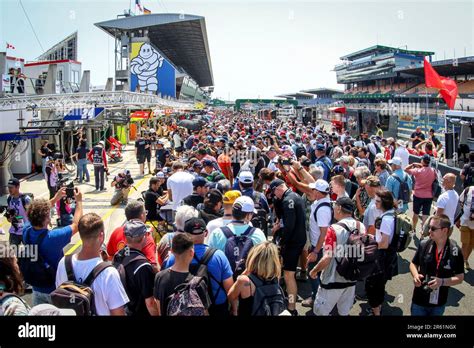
column 10, row 46
column 447, row 87
column 146, row 11
column 137, row 3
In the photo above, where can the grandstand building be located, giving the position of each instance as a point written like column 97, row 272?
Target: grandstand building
column 311, row 102
column 386, row 85
column 163, row 54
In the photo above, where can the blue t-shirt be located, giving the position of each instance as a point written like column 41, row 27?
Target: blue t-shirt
column 51, row 248
column 393, row 186
column 218, row 266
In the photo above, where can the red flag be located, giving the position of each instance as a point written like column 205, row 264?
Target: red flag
column 449, row 92
column 448, row 88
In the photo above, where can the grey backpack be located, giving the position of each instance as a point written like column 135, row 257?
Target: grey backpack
column 185, row 301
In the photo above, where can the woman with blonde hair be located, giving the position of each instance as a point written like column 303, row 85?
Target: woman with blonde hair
column 263, row 269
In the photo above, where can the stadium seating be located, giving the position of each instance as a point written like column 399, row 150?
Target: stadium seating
column 421, row 89
column 465, row 87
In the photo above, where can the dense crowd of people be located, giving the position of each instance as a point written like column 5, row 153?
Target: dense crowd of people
column 236, row 213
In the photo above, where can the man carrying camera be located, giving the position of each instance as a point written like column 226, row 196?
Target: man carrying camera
column 437, row 265
column 122, row 183
column 16, row 211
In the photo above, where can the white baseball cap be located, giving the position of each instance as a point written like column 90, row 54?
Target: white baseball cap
column 245, row 204
column 320, row 185
column 160, row 175
column 400, row 142
column 396, row 160
column 47, row 309
column 246, row 177
column 102, row 143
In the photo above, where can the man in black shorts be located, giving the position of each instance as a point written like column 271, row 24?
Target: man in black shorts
column 291, row 226
column 140, row 153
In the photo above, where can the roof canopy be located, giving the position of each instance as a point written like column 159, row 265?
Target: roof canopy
column 322, row 91
column 182, row 38
column 383, row 49
column 449, row 67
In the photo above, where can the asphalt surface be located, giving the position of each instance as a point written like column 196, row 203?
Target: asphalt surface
column 399, row 290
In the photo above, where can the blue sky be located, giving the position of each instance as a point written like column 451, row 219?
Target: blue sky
column 258, row 48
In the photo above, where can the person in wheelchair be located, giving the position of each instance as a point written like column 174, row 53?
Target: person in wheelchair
column 155, row 198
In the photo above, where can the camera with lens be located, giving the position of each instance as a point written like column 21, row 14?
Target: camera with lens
column 10, row 214
column 424, row 284
column 69, row 185
column 284, row 161
column 124, row 181
column 129, row 180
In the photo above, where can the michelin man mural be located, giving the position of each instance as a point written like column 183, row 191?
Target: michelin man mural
column 145, row 67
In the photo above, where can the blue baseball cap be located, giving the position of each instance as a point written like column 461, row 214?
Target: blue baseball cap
column 207, row 163
column 199, row 182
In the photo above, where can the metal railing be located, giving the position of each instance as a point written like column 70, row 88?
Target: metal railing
column 36, row 86
column 66, row 101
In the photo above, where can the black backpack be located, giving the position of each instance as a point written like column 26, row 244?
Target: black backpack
column 200, row 269
column 22, row 197
column 300, row 151
column 122, row 259
column 259, row 220
column 351, row 188
column 355, row 266
column 269, row 298
column 77, row 296
column 469, row 179
column 37, row 272
column 237, row 248
column 404, row 189
column 324, row 204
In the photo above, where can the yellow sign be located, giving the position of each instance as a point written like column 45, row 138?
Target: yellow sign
column 199, row 106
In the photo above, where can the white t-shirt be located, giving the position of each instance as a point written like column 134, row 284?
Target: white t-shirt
column 404, row 155
column 177, row 140
column 386, row 227
column 213, row 224
column 272, row 164
column 371, row 213
column 465, row 218
column 371, row 147
column 108, row 289
column 181, row 186
column 448, row 201
column 324, row 220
